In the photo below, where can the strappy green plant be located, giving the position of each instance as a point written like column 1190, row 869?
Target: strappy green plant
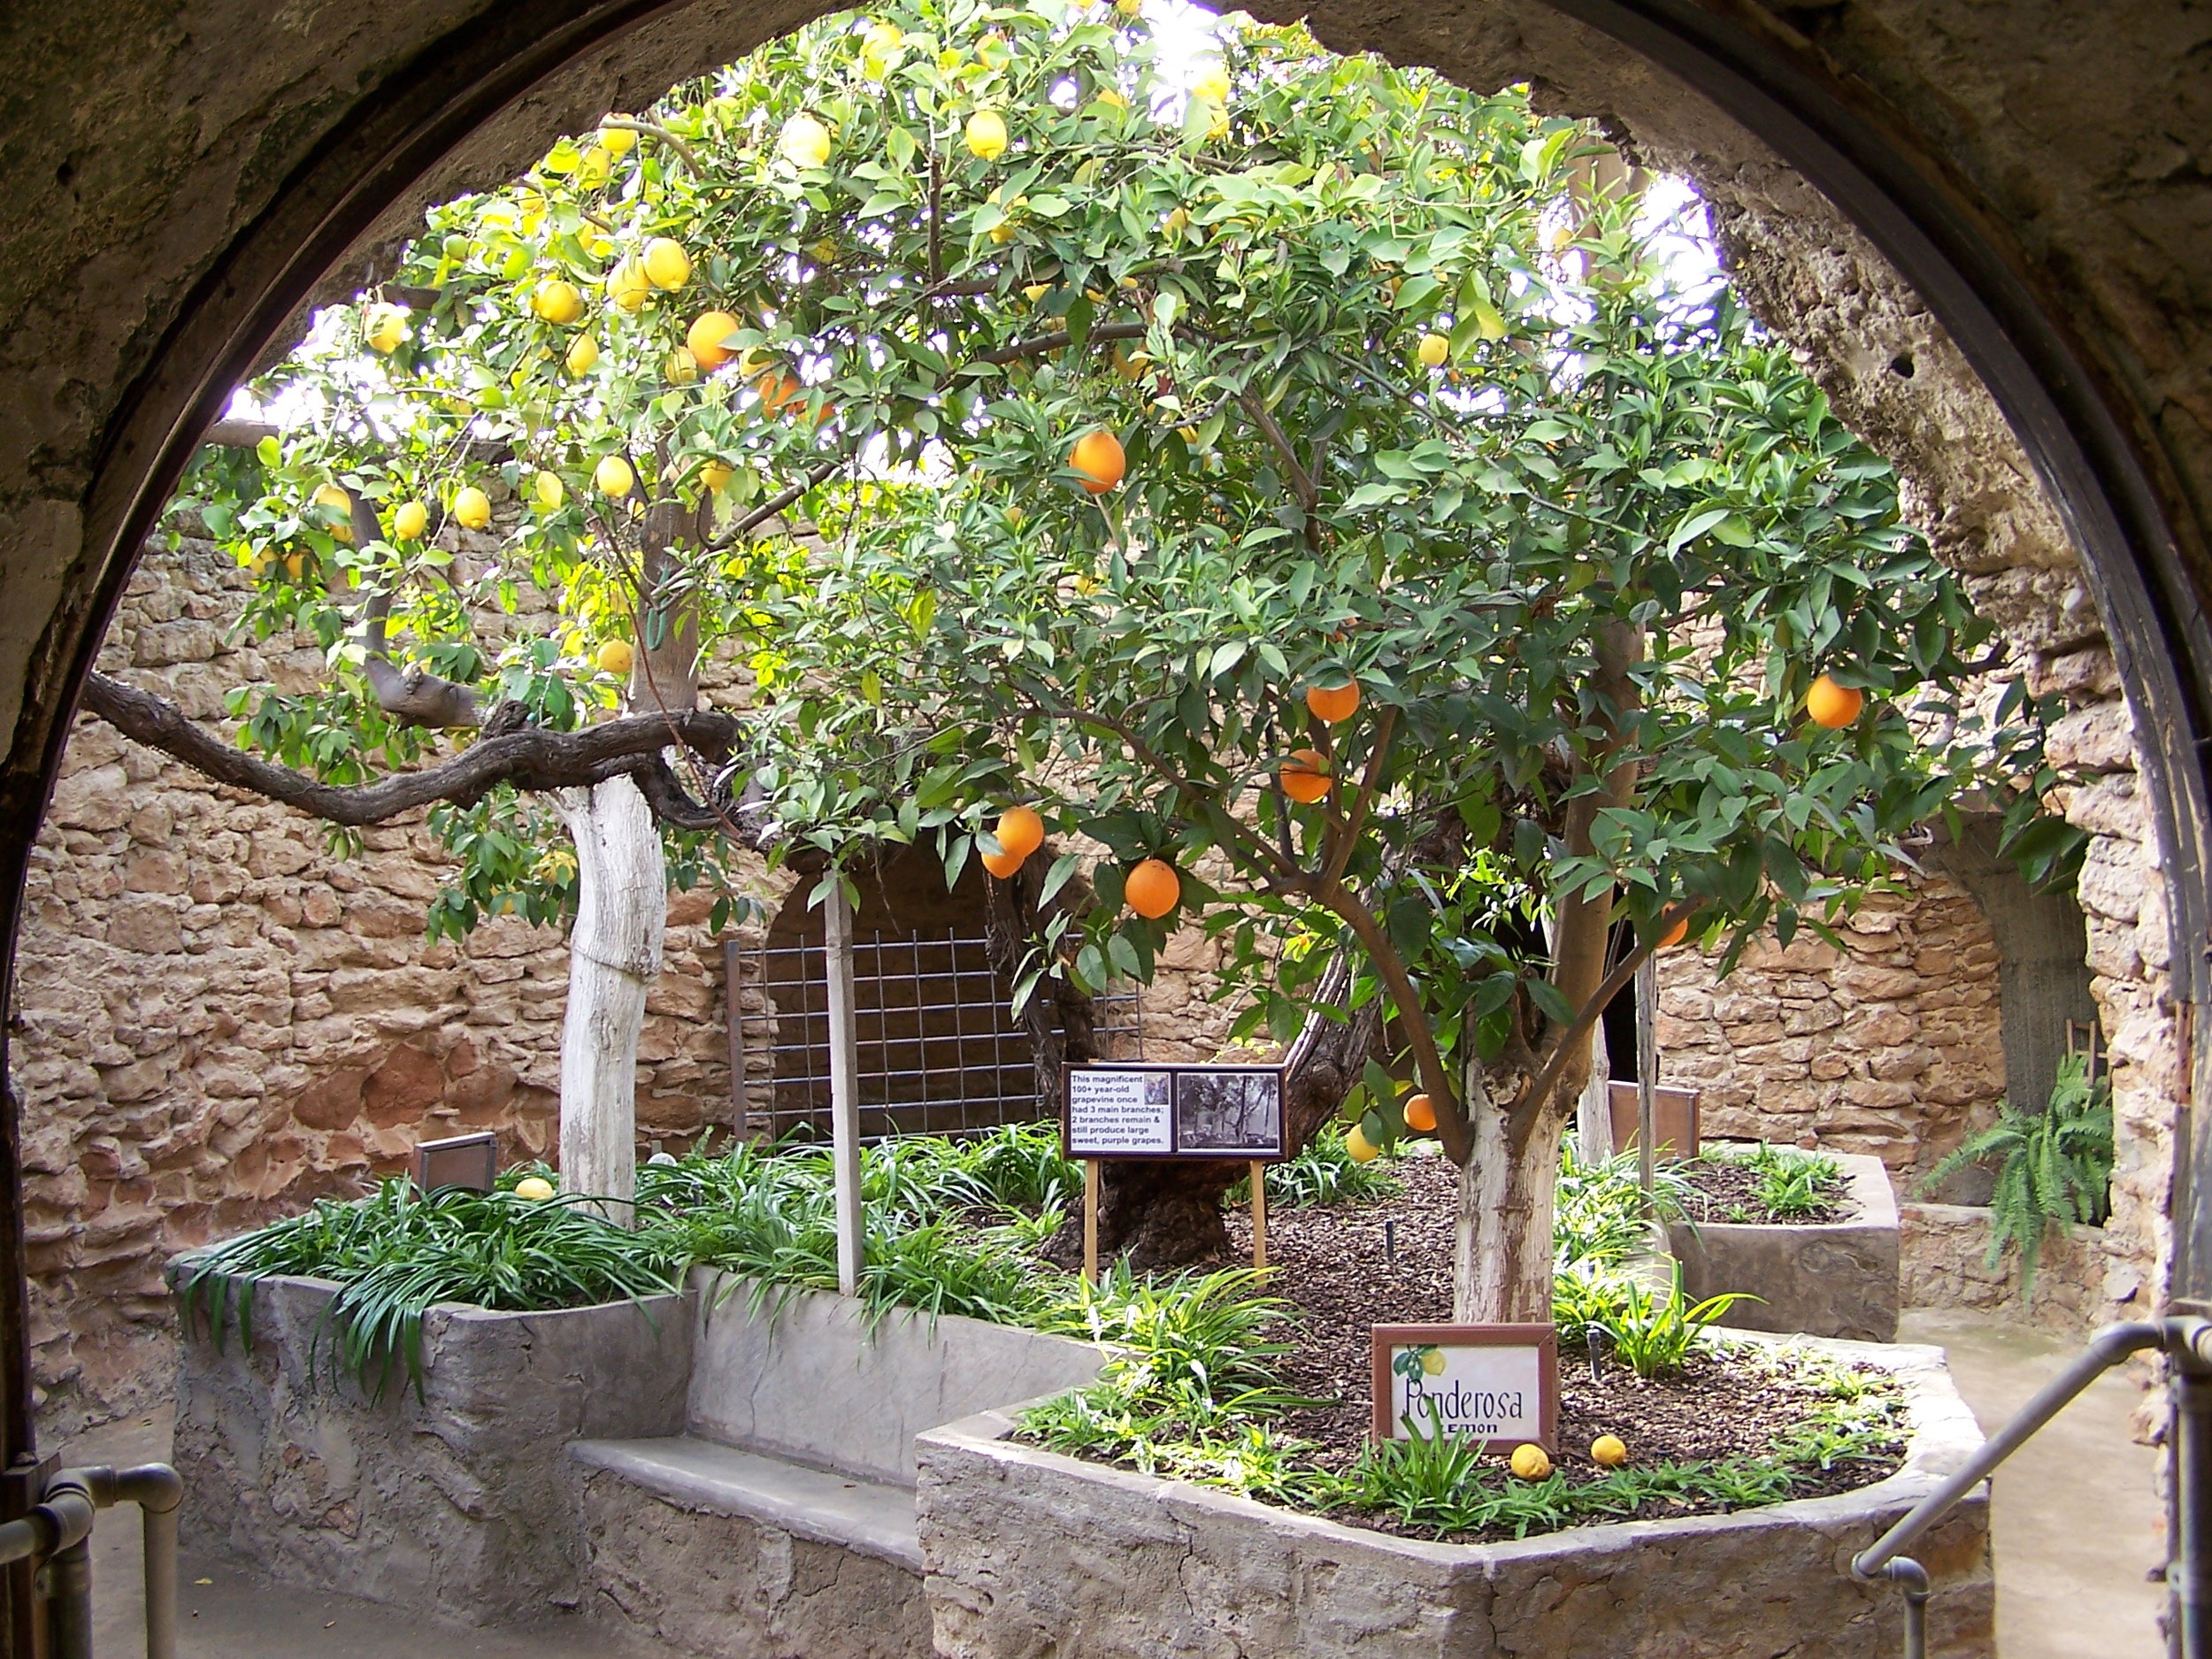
column 2053, row 1166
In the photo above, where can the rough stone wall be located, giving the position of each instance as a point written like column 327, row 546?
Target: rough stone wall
column 221, row 1021
column 1891, row 1046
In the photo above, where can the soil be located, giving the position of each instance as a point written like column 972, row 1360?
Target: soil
column 1729, row 1192
column 1349, row 1266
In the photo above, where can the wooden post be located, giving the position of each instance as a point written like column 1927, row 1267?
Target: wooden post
column 1259, row 1215
column 844, row 1064
column 1090, row 1220
column 1647, row 1074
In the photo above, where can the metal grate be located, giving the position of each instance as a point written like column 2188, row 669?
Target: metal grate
column 941, row 1049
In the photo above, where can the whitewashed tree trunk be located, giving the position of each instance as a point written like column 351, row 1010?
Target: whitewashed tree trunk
column 1501, row 1253
column 1594, row 1112
column 614, row 954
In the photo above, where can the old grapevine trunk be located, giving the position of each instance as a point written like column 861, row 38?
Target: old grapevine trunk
column 614, row 954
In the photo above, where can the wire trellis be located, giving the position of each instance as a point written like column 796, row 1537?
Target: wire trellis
column 942, row 1050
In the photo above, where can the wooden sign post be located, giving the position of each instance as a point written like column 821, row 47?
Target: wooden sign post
column 1164, row 1112
column 1494, row 1384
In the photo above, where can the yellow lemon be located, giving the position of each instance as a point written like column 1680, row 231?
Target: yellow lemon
column 583, row 355
column 1530, row 1462
column 592, row 169
column 1359, row 1148
column 613, row 475
column 295, row 566
column 338, row 518
column 986, row 134
column 385, row 328
column 1130, row 8
column 629, row 286
column 548, row 490
column 535, row 1188
column 804, row 141
column 617, row 141
column 667, row 263
column 616, row 657
column 1112, row 97
column 880, row 41
column 1036, row 291
column 714, row 476
column 680, row 367
column 411, row 520
column 471, row 508
column 1212, row 87
column 1176, row 223
column 1608, row 1450
column 1434, row 349
column 557, row 301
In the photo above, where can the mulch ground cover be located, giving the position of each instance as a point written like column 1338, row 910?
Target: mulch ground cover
column 1727, row 1192
column 1346, row 1267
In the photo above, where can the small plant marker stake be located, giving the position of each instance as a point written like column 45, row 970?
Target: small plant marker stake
column 1090, row 1220
column 1259, row 1214
column 1646, row 1074
column 844, row 1056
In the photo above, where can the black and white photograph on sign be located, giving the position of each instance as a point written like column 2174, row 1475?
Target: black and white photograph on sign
column 1230, row 1112
column 1118, row 1112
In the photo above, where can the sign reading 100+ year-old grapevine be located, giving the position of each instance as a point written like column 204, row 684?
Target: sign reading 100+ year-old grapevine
column 1173, row 1111
column 1494, row 1384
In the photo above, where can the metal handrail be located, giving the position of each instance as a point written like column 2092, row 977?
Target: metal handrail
column 2188, row 1343
column 58, row 1532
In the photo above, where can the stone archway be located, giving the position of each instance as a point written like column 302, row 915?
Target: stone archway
column 1985, row 294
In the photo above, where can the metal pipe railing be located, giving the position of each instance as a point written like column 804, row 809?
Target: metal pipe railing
column 2188, row 1343
column 58, row 1532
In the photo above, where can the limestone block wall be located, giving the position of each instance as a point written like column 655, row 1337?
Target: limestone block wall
column 1892, row 1045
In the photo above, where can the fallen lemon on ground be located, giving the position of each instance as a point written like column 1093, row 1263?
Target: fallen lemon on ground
column 1530, row 1462
column 1358, row 1147
column 1608, row 1450
column 471, row 508
column 1152, row 888
column 616, row 657
column 985, row 133
column 1420, row 1114
column 613, row 475
column 1304, row 776
column 1333, row 704
column 411, row 520
column 1020, row 832
column 1098, row 456
column 1831, row 705
column 534, row 1186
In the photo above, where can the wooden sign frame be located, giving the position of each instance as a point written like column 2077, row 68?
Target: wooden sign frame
column 1181, row 1141
column 1543, row 1338
column 470, row 1161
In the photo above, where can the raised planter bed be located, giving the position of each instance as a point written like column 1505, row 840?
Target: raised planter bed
column 455, row 1502
column 1031, row 1552
column 1833, row 1279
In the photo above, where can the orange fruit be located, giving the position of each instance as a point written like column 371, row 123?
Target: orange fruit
column 706, row 336
column 1333, row 704
column 1152, row 888
column 1304, row 776
column 1420, row 1115
column 1002, row 864
column 1098, row 456
column 779, row 391
column 1020, row 832
column 1676, row 934
column 1831, row 705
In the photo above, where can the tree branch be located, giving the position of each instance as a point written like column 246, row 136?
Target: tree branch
column 773, row 505
column 1044, row 345
column 632, row 124
column 529, row 760
column 1302, row 482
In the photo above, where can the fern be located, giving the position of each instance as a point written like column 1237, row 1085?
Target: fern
column 2054, row 1165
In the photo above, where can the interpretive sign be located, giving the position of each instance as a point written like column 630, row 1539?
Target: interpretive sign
column 1132, row 1110
column 1494, row 1384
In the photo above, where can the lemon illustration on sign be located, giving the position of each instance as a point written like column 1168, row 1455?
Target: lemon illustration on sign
column 1434, row 351
column 411, row 520
column 1433, row 1363
column 1530, row 1462
column 548, row 488
column 804, row 142
column 1609, row 1451
column 1358, row 1147
column 557, row 301
column 616, row 657
column 535, row 1188
column 667, row 263
column 613, row 475
column 583, row 355
column 617, row 141
column 471, row 508
column 986, row 134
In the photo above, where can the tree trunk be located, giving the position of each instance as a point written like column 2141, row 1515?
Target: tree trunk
column 1501, row 1251
column 614, row 953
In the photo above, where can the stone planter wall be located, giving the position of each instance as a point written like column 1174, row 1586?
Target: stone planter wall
column 1944, row 1262
column 455, row 1502
column 1832, row 1278
column 1029, row 1553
